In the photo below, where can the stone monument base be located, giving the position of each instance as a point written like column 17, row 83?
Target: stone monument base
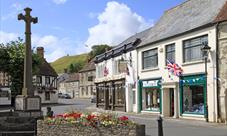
column 28, row 106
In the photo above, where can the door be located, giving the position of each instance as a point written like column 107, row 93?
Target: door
column 171, row 91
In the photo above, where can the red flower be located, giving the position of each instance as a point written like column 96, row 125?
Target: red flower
column 90, row 117
column 59, row 116
column 123, row 118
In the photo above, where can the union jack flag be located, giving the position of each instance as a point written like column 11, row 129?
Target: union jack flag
column 174, row 68
column 106, row 71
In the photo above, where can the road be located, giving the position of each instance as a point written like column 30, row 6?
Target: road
column 171, row 127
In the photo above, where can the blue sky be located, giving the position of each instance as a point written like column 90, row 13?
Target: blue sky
column 66, row 26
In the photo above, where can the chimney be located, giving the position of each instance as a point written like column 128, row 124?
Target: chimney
column 40, row 51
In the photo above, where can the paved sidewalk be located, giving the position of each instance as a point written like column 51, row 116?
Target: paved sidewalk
column 173, row 127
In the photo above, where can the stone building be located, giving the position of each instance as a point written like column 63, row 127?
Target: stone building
column 87, row 78
column 45, row 80
column 70, row 85
column 5, row 94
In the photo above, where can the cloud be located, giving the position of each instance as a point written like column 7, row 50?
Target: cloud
column 59, row 1
column 14, row 9
column 6, row 37
column 54, row 46
column 116, row 23
column 57, row 47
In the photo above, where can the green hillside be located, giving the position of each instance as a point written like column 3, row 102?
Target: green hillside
column 60, row 64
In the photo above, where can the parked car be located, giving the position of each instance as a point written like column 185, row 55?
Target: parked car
column 66, row 96
column 93, row 99
column 60, row 95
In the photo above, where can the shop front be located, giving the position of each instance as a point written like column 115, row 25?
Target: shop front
column 150, row 96
column 193, row 96
column 111, row 95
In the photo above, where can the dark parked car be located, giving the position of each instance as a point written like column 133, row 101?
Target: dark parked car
column 66, row 96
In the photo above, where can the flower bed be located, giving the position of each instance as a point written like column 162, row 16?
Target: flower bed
column 89, row 124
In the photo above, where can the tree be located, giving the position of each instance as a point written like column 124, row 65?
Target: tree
column 12, row 61
column 97, row 50
column 76, row 67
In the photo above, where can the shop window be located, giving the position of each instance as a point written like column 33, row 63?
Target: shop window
column 192, row 48
column 150, row 58
column 100, row 94
column 193, row 99
column 152, row 99
column 119, row 94
column 170, row 53
column 47, row 96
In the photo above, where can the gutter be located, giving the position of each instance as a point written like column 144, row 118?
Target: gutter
column 217, row 71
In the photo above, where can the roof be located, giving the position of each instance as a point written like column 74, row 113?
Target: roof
column 73, row 77
column 125, row 46
column 90, row 66
column 45, row 69
column 185, row 17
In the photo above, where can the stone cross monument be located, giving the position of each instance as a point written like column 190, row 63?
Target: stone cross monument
column 28, row 19
column 27, row 104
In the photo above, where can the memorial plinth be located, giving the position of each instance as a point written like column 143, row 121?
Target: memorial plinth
column 28, row 106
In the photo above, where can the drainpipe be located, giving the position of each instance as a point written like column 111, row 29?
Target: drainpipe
column 217, row 71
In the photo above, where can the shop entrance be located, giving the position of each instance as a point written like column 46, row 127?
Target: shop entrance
column 171, row 94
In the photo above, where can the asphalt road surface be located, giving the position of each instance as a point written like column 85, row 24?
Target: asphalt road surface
column 171, row 127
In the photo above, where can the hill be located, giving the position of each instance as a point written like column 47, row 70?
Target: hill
column 60, row 64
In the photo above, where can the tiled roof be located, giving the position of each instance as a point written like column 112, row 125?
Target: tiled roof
column 185, row 17
column 45, row 69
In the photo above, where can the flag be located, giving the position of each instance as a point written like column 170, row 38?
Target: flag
column 106, row 71
column 174, row 68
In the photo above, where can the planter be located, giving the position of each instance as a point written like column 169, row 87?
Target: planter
column 44, row 129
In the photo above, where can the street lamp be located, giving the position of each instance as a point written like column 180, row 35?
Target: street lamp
column 205, row 50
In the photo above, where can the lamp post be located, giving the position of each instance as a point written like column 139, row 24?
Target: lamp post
column 205, row 50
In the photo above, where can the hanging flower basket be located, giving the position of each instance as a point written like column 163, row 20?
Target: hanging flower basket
column 89, row 124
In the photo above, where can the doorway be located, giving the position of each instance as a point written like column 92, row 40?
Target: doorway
column 171, row 94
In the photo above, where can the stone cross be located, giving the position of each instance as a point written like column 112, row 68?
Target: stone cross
column 27, row 86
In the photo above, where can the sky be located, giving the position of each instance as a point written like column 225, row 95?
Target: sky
column 70, row 27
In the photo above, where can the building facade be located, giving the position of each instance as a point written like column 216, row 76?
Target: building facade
column 5, row 93
column 115, row 77
column 45, row 80
column 193, row 88
column 70, row 86
column 87, row 78
column 178, row 37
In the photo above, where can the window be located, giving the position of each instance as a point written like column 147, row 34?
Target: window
column 170, row 53
column 39, row 79
column 47, row 96
column 47, row 80
column 150, row 58
column 90, row 78
column 152, row 99
column 119, row 94
column 193, row 99
column 192, row 48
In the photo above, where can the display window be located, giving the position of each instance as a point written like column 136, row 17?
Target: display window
column 152, row 99
column 193, row 99
column 193, row 95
